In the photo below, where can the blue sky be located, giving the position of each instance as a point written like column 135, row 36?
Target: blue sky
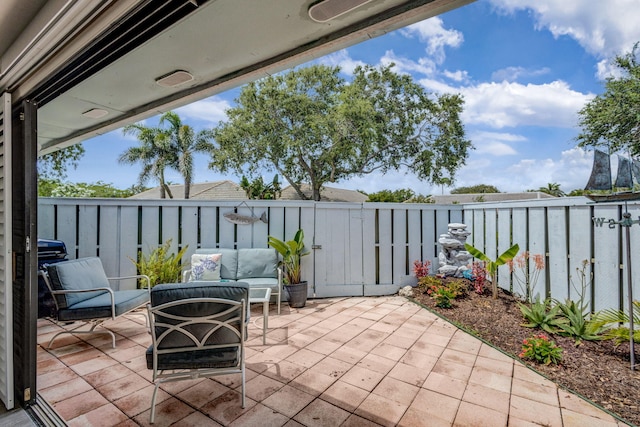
column 524, row 67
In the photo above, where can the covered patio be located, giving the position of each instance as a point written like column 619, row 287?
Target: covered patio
column 359, row 361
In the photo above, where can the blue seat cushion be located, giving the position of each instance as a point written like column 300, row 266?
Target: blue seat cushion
column 263, row 282
column 218, row 358
column 99, row 306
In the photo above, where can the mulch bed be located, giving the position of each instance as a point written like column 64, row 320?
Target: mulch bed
column 597, row 370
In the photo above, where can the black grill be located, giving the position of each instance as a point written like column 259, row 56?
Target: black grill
column 49, row 252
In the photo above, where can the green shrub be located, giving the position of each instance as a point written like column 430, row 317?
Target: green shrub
column 161, row 265
column 443, row 296
column 540, row 349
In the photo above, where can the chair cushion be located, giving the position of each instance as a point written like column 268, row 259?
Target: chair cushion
column 228, row 262
column 168, row 292
column 83, row 273
column 218, row 358
column 99, row 306
column 205, row 267
column 257, row 262
column 263, row 282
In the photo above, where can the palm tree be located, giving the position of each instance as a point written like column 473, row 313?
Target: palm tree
column 185, row 143
column 154, row 152
column 553, row 189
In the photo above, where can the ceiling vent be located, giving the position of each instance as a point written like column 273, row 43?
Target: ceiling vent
column 327, row 10
column 95, row 113
column 174, row 78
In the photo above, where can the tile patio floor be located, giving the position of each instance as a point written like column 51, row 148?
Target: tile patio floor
column 336, row 362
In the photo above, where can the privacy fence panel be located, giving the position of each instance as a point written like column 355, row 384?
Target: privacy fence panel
column 361, row 249
column 577, row 251
column 607, row 268
column 557, row 256
column 537, row 229
column 504, row 243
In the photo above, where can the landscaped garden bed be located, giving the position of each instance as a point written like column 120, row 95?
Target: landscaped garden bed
column 597, row 370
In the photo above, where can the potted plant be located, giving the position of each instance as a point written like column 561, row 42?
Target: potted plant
column 292, row 251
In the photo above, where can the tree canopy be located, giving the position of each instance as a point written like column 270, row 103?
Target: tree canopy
column 612, row 119
column 52, row 187
column 552, row 188
column 165, row 147
column 54, row 165
column 473, row 189
column 312, row 126
column 403, row 195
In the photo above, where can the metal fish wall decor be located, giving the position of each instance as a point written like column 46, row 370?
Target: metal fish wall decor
column 244, row 219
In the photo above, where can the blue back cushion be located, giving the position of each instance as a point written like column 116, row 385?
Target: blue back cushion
column 257, row 263
column 83, row 273
column 228, row 262
column 183, row 292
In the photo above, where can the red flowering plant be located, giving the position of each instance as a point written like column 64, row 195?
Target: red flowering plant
column 479, row 274
column 421, row 269
column 541, row 349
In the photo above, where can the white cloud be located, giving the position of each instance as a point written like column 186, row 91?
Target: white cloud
column 457, row 76
column 511, row 74
column 210, row 110
column 602, row 28
column 507, row 104
column 495, row 143
column 423, row 66
column 342, row 60
column 432, row 32
column 571, row 171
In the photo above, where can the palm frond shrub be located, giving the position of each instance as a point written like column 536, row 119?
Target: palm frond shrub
column 161, row 265
column 609, row 323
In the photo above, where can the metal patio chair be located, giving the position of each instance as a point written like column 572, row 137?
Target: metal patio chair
column 198, row 330
column 82, row 292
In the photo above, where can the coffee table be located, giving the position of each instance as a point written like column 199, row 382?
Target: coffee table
column 262, row 295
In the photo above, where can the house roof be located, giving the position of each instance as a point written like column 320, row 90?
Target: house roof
column 218, row 190
column 327, row 194
column 449, row 199
column 229, row 190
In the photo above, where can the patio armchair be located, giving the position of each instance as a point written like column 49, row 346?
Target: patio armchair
column 81, row 292
column 198, row 330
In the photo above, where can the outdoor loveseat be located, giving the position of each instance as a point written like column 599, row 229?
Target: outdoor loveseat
column 256, row 266
column 81, row 292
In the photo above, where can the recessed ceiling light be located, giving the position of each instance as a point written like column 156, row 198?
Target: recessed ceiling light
column 174, row 78
column 95, row 113
column 327, row 10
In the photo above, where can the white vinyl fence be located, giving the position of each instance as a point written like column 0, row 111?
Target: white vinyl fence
column 356, row 249
column 362, row 249
column 567, row 231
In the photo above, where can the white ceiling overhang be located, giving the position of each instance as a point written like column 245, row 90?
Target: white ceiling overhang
column 76, row 56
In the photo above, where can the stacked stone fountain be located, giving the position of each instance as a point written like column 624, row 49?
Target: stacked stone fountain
column 453, row 258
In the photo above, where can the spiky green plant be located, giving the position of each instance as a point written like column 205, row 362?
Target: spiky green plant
column 161, row 265
column 541, row 315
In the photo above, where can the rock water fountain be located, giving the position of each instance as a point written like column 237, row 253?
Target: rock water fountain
column 453, row 259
